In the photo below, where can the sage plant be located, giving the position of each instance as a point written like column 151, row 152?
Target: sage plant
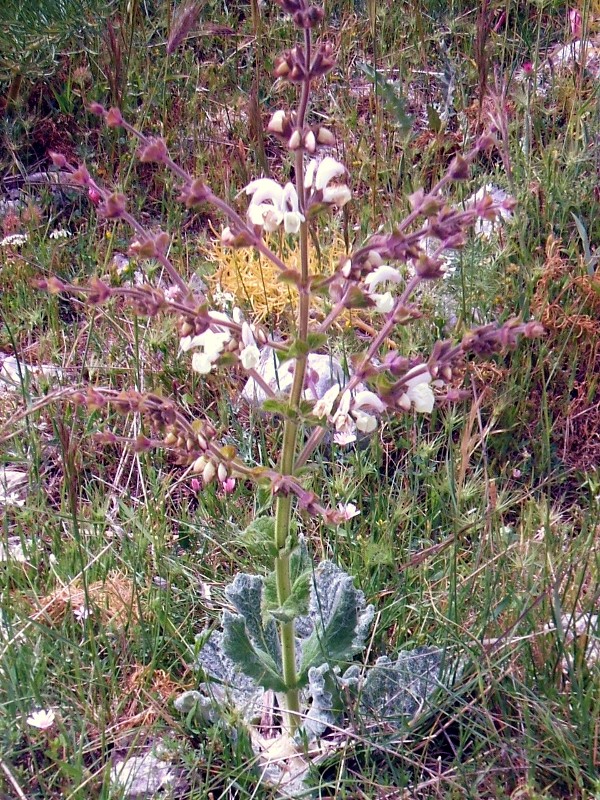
column 264, row 645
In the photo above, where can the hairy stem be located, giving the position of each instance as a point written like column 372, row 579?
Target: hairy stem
column 283, row 509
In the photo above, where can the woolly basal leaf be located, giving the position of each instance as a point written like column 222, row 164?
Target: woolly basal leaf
column 338, row 620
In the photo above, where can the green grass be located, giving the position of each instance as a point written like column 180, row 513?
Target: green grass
column 478, row 528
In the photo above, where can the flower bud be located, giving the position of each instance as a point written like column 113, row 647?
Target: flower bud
column 222, row 473
column 170, row 439
column 260, row 334
column 113, row 118
column 98, row 293
column 295, row 141
column 208, row 473
column 485, row 142
column 199, row 465
column 114, row 206
column 194, row 194
column 231, row 239
column 155, row 150
column 97, row 108
column 58, row 159
column 81, row 177
column 310, row 143
column 276, row 122
column 459, row 169
column 282, row 67
column 326, row 137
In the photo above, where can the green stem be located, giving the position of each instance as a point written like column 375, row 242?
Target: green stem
column 283, row 508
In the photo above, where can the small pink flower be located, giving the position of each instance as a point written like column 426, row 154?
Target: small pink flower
column 347, row 511
column 94, row 195
column 528, row 68
column 228, row 485
column 195, row 483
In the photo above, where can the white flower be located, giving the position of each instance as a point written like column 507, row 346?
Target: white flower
column 201, row 363
column 81, row 613
column 383, row 274
column 250, row 356
column 211, row 342
column 319, row 176
column 14, row 240
column 337, row 195
column 368, row 399
column 60, row 233
column 273, row 204
column 422, row 398
column 323, row 173
column 365, row 423
column 365, row 399
column 418, row 391
column 322, row 407
column 42, row 719
column 348, row 510
column 346, row 435
column 383, row 302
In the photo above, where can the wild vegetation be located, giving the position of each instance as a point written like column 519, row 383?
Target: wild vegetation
column 470, row 530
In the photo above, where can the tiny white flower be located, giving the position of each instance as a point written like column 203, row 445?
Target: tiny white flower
column 213, row 342
column 347, row 268
column 81, row 613
column 14, row 240
column 60, row 233
column 42, row 719
column 348, row 510
column 346, row 435
column 422, row 398
column 417, row 375
column 292, row 218
column 309, row 175
column 383, row 274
